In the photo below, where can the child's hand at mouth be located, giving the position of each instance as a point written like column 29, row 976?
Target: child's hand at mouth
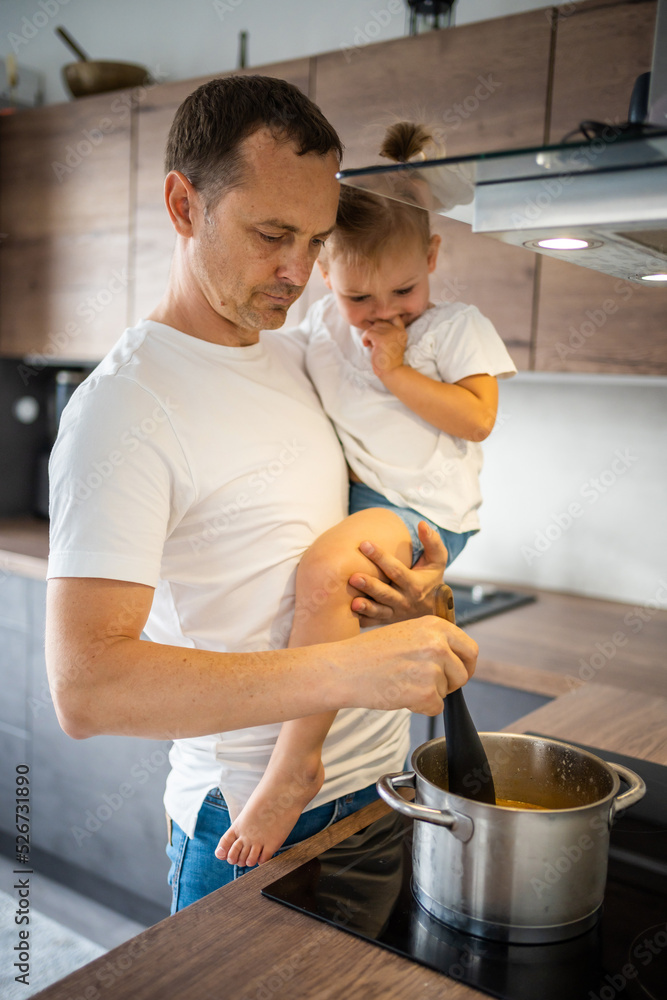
column 387, row 341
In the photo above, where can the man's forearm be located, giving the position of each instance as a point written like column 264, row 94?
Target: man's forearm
column 105, row 679
column 127, row 686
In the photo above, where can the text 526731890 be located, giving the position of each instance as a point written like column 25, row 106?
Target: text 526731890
column 23, row 814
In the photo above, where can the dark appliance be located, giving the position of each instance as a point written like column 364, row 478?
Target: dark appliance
column 363, row 886
column 425, row 15
column 65, row 381
column 473, row 602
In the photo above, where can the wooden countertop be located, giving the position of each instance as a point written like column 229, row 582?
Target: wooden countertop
column 24, row 546
column 562, row 641
column 237, row 944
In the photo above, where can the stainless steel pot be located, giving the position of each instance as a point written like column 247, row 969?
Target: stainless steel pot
column 514, row 874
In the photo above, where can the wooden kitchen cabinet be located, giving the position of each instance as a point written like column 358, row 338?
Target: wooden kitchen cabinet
column 587, row 321
column 88, row 247
column 64, row 213
column 479, row 87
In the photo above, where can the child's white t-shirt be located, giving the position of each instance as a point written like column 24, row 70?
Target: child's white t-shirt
column 390, row 448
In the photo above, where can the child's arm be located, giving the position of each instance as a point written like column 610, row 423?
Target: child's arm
column 465, row 409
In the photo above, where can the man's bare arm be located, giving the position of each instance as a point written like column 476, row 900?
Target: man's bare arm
column 105, row 679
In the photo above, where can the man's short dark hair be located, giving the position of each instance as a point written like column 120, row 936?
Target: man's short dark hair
column 212, row 122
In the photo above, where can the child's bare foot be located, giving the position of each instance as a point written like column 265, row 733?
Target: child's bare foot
column 270, row 813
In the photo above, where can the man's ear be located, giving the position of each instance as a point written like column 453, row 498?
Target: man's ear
column 181, row 200
column 324, row 273
column 432, row 256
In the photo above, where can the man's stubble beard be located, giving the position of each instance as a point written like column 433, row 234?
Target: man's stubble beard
column 253, row 319
column 234, row 305
column 270, row 318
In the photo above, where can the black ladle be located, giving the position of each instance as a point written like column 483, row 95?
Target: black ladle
column 467, row 763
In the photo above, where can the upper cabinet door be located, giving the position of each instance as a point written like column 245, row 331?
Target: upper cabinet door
column 154, row 233
column 591, row 322
column 481, row 86
column 64, row 216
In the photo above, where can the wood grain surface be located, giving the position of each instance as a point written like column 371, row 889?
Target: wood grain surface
column 65, row 210
column 25, row 536
column 71, row 231
column 523, row 678
column 583, row 641
column 627, row 722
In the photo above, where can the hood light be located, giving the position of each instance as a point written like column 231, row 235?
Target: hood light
column 563, row 243
column 654, row 277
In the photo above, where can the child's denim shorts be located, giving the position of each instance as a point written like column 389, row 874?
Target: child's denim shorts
column 362, row 497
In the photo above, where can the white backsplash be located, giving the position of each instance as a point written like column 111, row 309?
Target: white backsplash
column 575, row 488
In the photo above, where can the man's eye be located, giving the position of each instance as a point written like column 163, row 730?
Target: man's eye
column 405, row 291
column 270, row 239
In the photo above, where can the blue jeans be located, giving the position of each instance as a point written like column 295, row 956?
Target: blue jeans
column 195, row 871
column 362, row 497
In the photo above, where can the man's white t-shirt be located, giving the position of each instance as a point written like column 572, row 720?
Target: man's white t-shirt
column 390, row 448
column 205, row 472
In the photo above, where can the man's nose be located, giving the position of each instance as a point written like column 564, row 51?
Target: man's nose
column 297, row 265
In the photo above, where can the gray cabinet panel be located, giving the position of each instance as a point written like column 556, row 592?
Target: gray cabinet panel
column 13, row 601
column 98, row 803
column 13, row 676
column 95, row 804
column 14, row 751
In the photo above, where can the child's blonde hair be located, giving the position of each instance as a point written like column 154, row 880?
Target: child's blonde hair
column 368, row 224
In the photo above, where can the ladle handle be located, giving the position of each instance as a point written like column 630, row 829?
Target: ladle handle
column 468, row 766
column 69, row 41
column 444, row 603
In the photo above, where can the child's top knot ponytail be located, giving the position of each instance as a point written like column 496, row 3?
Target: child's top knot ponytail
column 368, row 224
column 407, row 141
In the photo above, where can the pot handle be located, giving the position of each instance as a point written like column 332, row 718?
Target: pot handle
column 636, row 791
column 459, row 825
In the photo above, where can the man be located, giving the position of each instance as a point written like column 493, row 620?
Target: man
column 209, row 468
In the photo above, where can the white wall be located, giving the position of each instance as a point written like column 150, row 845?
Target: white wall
column 575, row 488
column 556, row 436
column 178, row 40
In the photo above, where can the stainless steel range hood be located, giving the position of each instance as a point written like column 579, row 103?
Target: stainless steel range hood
column 608, row 195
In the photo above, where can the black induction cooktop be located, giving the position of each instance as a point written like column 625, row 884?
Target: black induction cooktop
column 363, row 887
column 473, row 602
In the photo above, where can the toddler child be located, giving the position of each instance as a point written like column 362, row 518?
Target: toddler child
column 411, row 388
